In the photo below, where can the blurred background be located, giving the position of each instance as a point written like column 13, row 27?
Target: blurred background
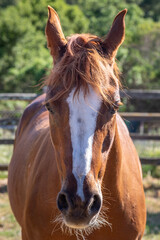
column 25, row 61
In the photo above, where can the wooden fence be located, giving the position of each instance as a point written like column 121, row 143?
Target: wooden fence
column 135, row 94
column 142, row 117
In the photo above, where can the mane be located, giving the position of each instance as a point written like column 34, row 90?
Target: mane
column 84, row 63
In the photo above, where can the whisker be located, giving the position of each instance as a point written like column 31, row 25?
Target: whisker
column 100, row 221
column 80, row 234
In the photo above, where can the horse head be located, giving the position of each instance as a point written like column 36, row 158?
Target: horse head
column 82, row 100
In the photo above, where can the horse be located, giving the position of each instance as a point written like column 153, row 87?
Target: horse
column 75, row 173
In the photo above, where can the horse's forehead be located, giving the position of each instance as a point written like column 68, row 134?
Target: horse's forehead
column 90, row 100
column 83, row 111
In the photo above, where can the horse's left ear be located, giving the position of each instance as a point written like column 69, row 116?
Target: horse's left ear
column 116, row 34
column 55, row 37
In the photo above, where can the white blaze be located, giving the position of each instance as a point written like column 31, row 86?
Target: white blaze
column 83, row 117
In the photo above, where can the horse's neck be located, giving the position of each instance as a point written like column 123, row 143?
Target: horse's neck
column 114, row 160
column 123, row 162
column 114, row 167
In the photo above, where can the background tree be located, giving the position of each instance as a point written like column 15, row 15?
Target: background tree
column 24, row 58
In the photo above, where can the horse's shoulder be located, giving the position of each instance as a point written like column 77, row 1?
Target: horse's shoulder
column 32, row 111
column 36, row 105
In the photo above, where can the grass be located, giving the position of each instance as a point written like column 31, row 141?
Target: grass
column 9, row 105
column 5, row 156
column 5, row 153
column 148, row 148
column 9, row 228
column 3, row 175
column 152, row 192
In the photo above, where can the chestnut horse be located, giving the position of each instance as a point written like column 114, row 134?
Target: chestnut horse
column 75, row 172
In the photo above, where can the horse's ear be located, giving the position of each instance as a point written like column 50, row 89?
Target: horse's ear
column 55, row 37
column 116, row 34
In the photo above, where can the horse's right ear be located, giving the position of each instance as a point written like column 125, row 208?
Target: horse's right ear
column 55, row 37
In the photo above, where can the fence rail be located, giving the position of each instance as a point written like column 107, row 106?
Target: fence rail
column 141, row 94
column 3, row 167
column 136, row 136
column 150, row 161
column 6, row 141
column 146, row 117
column 18, row 96
column 134, row 93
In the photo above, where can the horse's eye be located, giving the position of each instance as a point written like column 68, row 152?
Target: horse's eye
column 100, row 174
column 49, row 108
column 112, row 110
column 115, row 106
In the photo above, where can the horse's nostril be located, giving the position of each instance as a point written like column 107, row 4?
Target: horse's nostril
column 95, row 203
column 62, row 202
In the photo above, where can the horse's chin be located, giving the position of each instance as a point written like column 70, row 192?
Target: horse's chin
column 77, row 227
column 81, row 225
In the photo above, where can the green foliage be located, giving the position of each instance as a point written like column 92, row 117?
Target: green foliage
column 154, row 171
column 151, row 8
column 141, row 64
column 25, row 59
column 138, row 57
column 4, row 3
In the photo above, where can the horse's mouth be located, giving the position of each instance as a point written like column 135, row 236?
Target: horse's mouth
column 81, row 224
